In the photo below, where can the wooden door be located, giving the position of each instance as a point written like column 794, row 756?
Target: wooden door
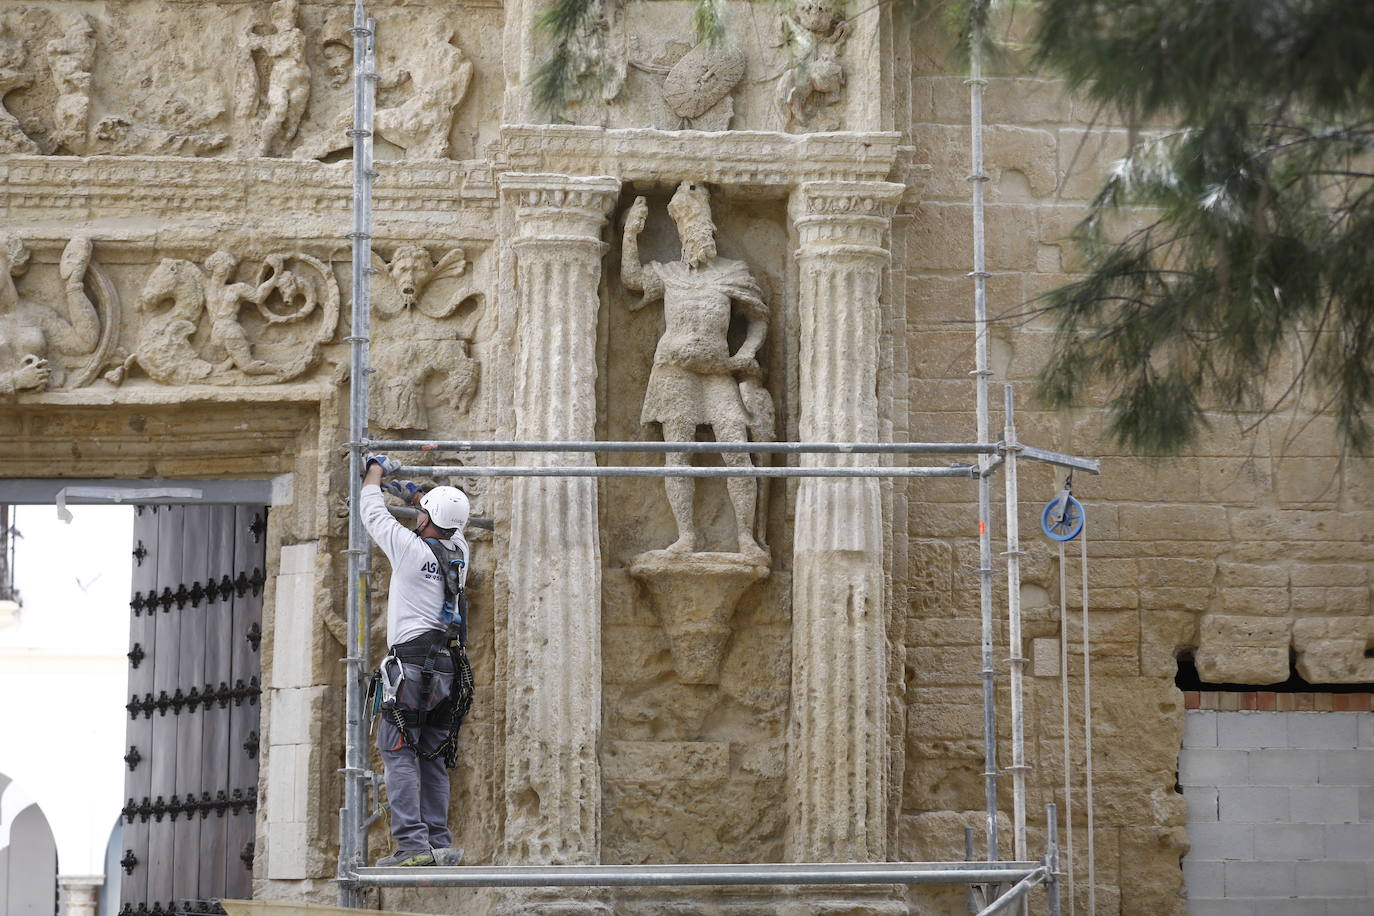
column 194, row 677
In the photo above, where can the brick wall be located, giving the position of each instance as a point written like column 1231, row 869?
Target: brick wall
column 1280, row 809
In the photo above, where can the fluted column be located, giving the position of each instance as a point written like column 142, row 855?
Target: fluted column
column 837, row 762
column 553, row 631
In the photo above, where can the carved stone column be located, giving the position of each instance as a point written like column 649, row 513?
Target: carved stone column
column 837, row 746
column 553, row 631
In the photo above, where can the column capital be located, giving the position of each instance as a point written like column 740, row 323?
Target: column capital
column 841, row 199
column 531, row 191
column 845, row 216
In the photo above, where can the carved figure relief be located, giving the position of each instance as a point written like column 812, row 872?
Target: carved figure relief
column 420, row 125
column 72, row 58
column 435, row 82
column 185, row 137
column 810, row 90
column 13, row 75
column 696, row 380
column 289, row 289
column 33, row 333
column 274, row 86
column 405, row 361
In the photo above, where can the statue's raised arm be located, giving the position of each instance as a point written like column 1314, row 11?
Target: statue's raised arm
column 632, row 272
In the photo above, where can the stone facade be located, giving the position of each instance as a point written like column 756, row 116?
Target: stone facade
column 176, row 209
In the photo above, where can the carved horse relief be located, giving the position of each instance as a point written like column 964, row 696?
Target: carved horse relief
column 176, row 346
column 409, row 350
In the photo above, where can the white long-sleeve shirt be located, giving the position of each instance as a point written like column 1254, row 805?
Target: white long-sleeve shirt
column 416, row 597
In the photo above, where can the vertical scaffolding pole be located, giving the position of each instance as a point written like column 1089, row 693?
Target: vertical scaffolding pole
column 1016, row 661
column 1052, row 857
column 977, row 177
column 1088, row 722
column 352, row 838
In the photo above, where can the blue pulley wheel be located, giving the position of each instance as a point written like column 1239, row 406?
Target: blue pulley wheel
column 1061, row 520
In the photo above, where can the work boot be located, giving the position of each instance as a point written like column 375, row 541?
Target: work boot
column 447, row 856
column 406, row 858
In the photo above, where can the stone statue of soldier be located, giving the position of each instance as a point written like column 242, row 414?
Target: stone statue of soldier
column 696, row 380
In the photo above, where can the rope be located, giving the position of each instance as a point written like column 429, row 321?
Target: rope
column 1087, row 722
column 1064, row 707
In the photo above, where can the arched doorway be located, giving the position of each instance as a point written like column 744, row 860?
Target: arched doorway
column 28, row 855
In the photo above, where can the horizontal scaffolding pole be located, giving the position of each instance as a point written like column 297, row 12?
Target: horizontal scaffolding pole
column 777, row 448
column 685, row 875
column 593, row 470
column 1091, row 465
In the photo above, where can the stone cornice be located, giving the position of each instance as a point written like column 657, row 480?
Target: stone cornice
column 153, row 395
column 757, row 159
column 173, row 188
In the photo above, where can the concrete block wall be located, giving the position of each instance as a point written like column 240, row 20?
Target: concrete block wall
column 1280, row 812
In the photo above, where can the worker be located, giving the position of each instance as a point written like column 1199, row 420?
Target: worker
column 426, row 664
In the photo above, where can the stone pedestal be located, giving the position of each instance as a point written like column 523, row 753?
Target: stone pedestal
column 553, row 631
column 694, row 597
column 837, row 742
column 79, row 895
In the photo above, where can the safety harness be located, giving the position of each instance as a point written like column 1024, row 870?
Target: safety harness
column 453, row 709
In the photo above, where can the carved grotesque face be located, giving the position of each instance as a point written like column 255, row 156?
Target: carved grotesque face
column 816, row 15
column 410, row 267
column 690, row 209
column 339, row 62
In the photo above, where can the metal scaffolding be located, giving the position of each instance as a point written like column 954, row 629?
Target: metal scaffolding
column 1003, row 883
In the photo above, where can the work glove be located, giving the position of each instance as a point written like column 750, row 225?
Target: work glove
column 389, row 466
column 406, row 490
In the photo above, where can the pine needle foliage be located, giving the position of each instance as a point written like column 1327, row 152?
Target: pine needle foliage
column 1230, row 260
column 575, row 29
column 708, row 21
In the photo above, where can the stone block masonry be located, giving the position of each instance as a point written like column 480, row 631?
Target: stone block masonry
column 1280, row 806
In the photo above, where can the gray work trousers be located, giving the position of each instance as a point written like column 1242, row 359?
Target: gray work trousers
column 418, row 789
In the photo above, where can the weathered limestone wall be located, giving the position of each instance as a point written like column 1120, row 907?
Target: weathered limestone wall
column 1251, row 546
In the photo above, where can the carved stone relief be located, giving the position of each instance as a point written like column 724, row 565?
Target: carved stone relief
column 811, row 89
column 697, row 84
column 274, row 81
column 72, row 59
column 177, row 345
column 411, row 346
column 418, row 97
column 35, row 334
column 696, row 380
column 14, row 74
column 420, row 125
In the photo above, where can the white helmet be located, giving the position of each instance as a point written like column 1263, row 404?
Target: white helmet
column 447, row 507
